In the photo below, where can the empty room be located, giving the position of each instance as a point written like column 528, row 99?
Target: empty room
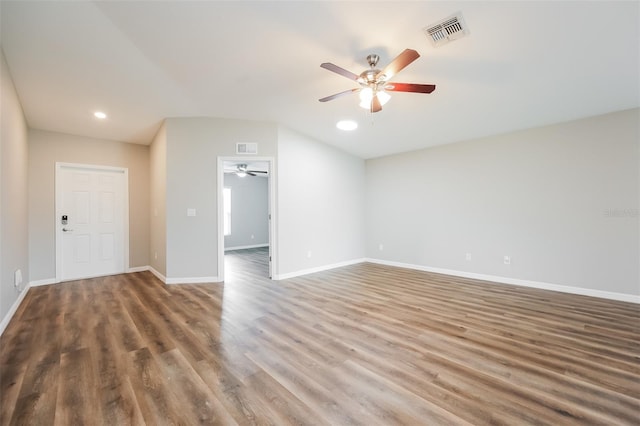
column 320, row 212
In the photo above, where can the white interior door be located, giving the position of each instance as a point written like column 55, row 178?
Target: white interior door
column 91, row 211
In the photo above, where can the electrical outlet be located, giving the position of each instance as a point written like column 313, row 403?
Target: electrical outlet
column 252, row 236
column 17, row 278
column 380, row 247
column 155, row 255
column 309, row 254
column 468, row 256
column 507, row 260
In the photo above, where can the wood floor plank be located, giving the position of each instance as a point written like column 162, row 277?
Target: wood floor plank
column 20, row 342
column 119, row 404
column 11, row 377
column 364, row 344
column 77, row 400
column 199, row 404
column 393, row 403
column 238, row 399
column 39, row 392
column 149, row 326
column 157, row 404
column 281, row 406
column 312, row 390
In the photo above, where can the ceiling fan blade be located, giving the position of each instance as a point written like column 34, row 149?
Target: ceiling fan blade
column 375, row 104
column 401, row 61
column 256, row 171
column 337, row 95
column 338, row 70
column 410, row 87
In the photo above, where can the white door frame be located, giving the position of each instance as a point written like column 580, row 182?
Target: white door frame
column 272, row 211
column 58, row 212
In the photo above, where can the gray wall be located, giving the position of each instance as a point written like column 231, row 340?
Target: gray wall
column 320, row 196
column 320, row 204
column 193, row 147
column 47, row 148
column 13, row 191
column 249, row 211
column 158, row 200
column 561, row 200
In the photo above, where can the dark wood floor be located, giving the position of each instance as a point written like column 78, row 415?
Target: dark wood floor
column 365, row 344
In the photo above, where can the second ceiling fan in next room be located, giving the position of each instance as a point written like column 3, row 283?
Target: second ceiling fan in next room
column 242, row 170
column 374, row 83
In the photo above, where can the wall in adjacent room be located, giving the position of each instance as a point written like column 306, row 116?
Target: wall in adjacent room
column 47, row 148
column 562, row 201
column 249, row 211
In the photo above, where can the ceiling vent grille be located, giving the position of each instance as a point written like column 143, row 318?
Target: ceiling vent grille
column 246, row 148
column 449, row 29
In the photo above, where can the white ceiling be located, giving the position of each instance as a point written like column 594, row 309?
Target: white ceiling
column 524, row 64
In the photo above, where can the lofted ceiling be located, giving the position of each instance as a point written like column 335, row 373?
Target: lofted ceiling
column 524, row 64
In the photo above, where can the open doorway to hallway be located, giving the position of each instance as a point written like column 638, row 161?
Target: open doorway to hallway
column 246, row 263
column 246, row 218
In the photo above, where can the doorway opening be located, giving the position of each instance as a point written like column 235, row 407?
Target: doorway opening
column 245, row 217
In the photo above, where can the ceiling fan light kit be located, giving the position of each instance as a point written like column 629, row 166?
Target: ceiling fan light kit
column 366, row 96
column 374, row 83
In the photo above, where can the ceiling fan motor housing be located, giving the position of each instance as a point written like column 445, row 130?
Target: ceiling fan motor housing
column 368, row 77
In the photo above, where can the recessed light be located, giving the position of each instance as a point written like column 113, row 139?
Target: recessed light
column 347, row 125
column 99, row 114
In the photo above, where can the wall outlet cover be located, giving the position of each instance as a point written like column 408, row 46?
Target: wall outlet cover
column 17, row 278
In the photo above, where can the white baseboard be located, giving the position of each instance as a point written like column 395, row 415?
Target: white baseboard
column 623, row 297
column 13, row 309
column 138, row 269
column 186, row 280
column 158, row 274
column 317, row 269
column 42, row 282
column 193, row 280
column 245, row 247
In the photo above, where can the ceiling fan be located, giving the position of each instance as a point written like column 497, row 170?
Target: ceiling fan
column 374, row 84
column 241, row 170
